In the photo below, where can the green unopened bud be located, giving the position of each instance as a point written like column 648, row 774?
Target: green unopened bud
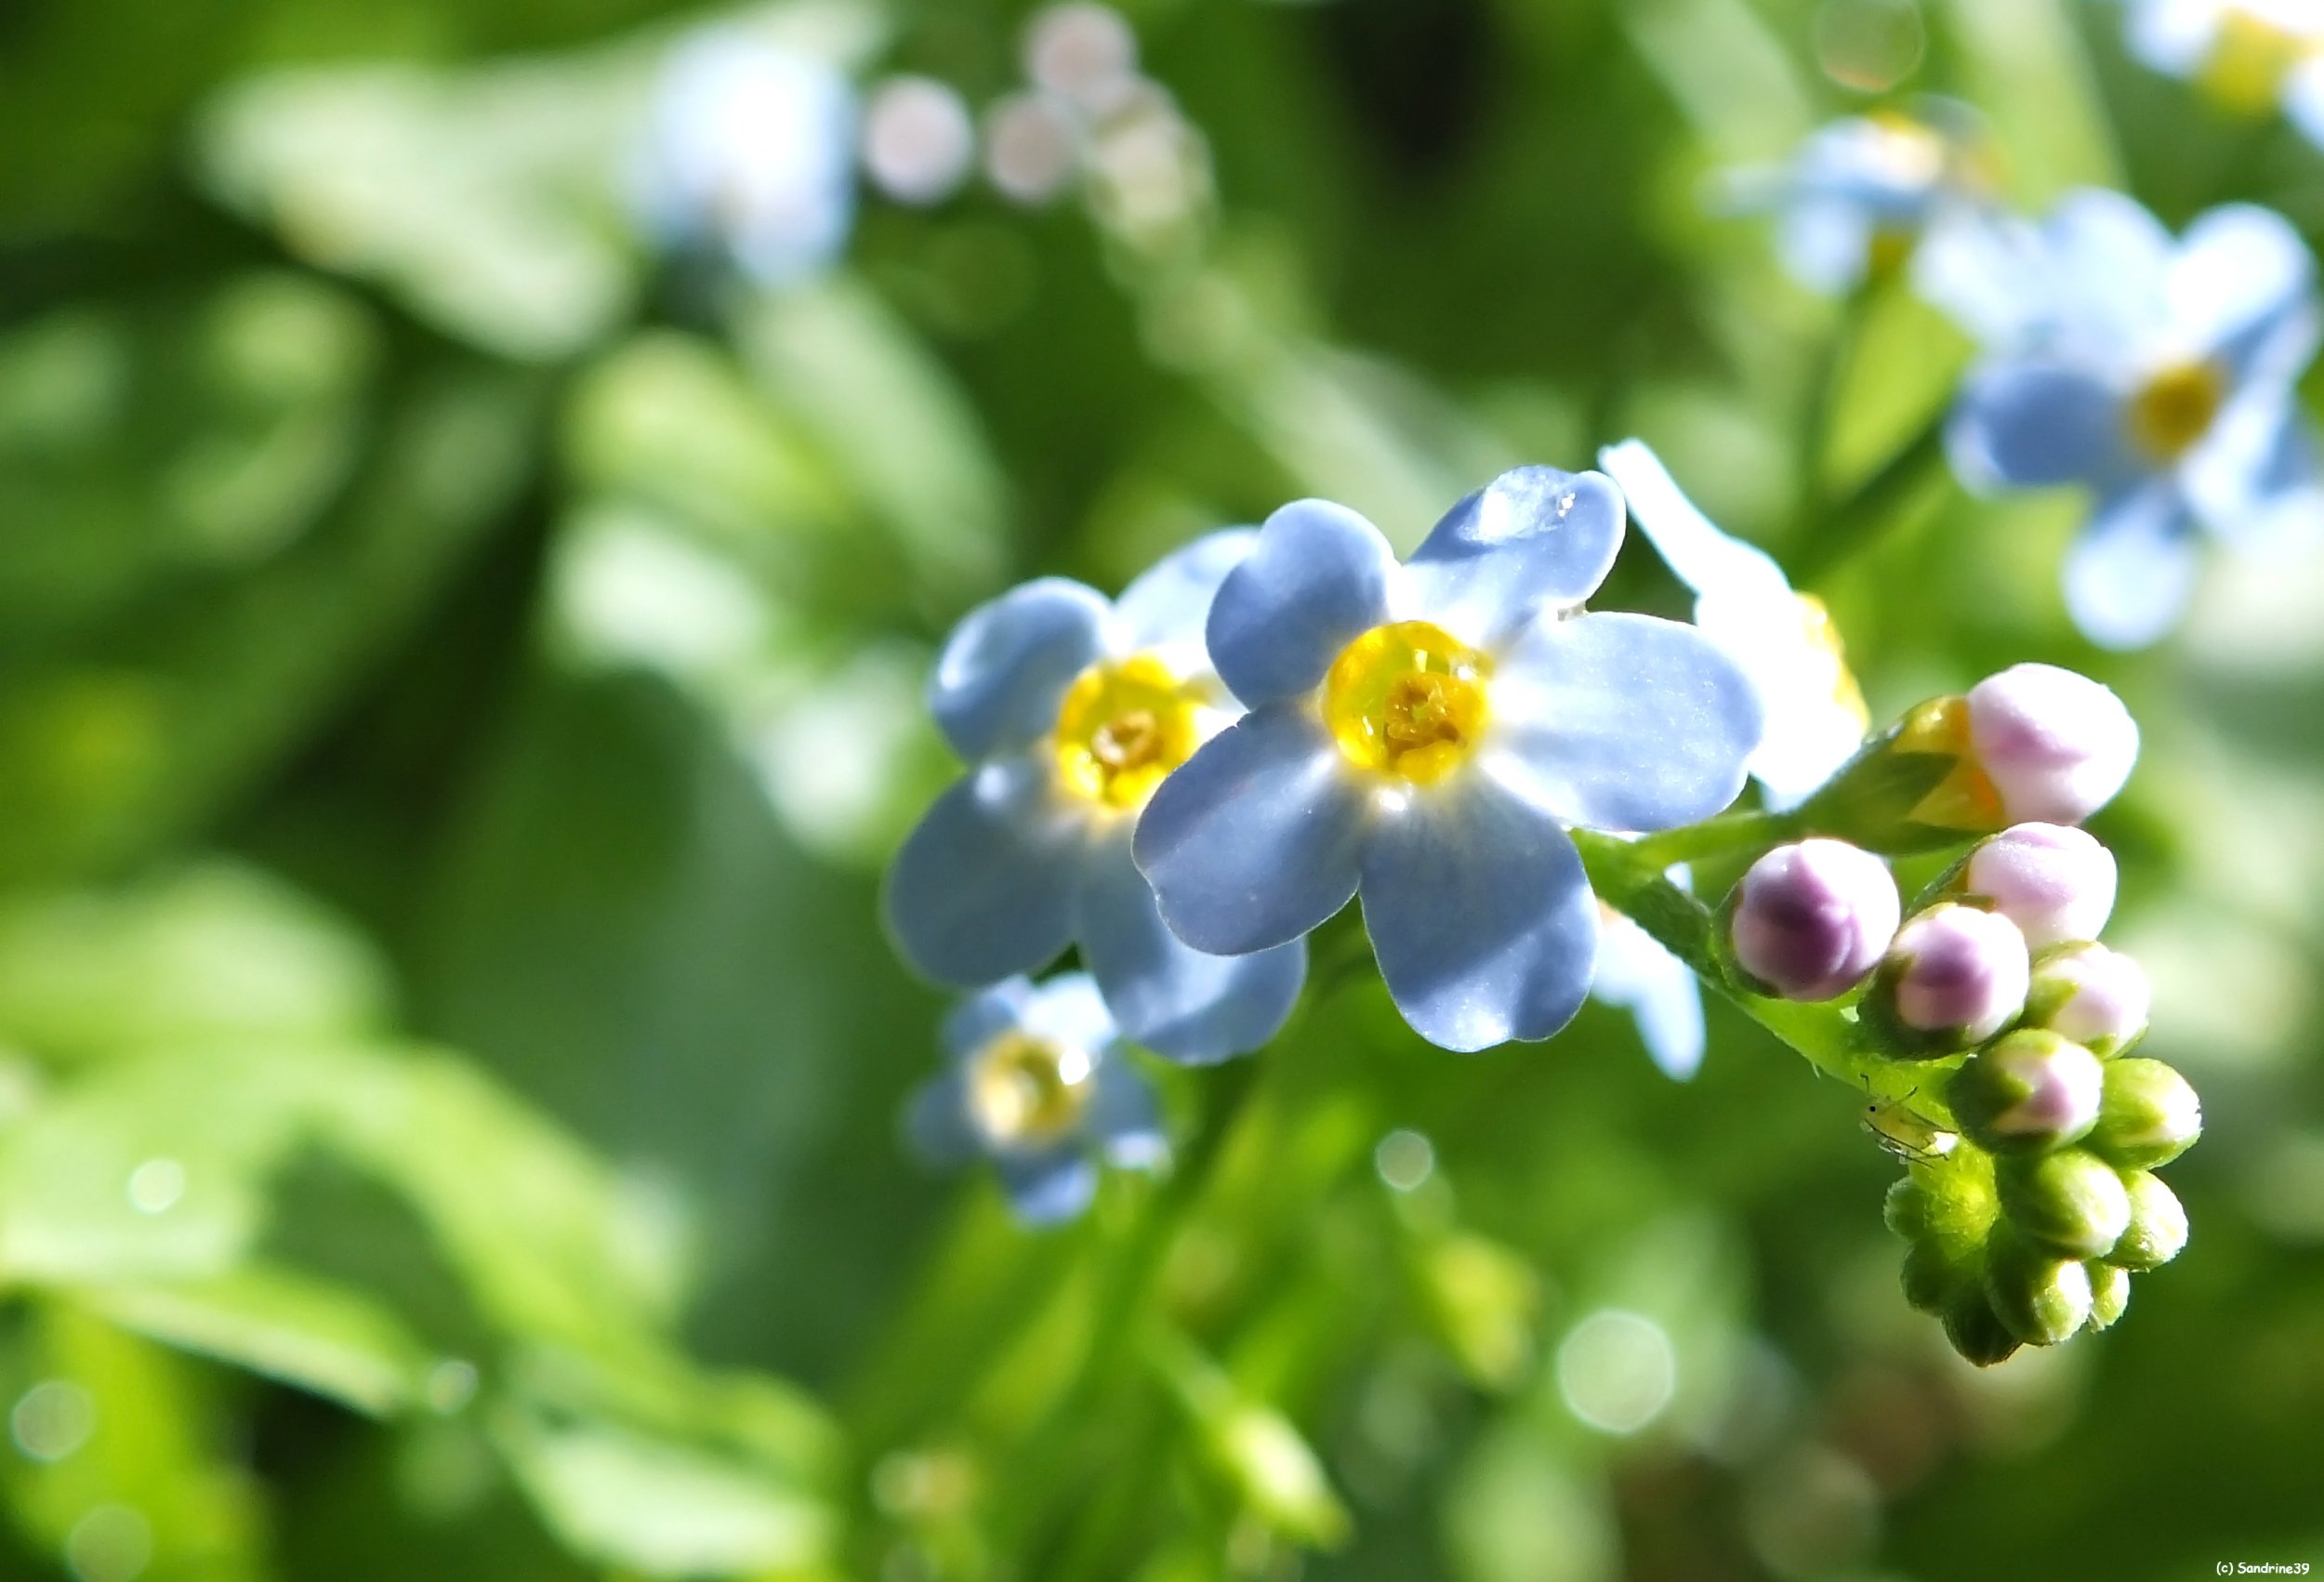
column 1279, row 1475
column 1483, row 1299
column 1906, row 1210
column 2109, row 1294
column 2030, row 1093
column 2158, row 1228
column 1976, row 1330
column 2042, row 1298
column 2071, row 1202
column 2148, row 1114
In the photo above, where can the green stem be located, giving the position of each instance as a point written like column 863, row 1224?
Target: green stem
column 1828, row 1035
column 1856, row 520
column 1747, row 830
column 1823, row 394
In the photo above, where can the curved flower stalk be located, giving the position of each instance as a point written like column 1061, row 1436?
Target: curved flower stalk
column 1070, row 711
column 1038, row 1082
column 2159, row 375
column 1854, row 203
column 750, row 152
column 1422, row 734
column 2251, row 57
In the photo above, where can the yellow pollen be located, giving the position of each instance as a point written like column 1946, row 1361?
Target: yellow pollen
column 1823, row 634
column 1406, row 700
column 2175, row 408
column 1024, row 1091
column 2250, row 60
column 1122, row 727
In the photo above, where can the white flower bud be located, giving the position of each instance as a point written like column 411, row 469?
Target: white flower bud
column 2097, row 997
column 2056, row 745
column 1812, row 920
column 919, row 142
column 2054, row 882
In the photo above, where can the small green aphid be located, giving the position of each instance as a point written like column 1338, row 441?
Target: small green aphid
column 1904, row 1131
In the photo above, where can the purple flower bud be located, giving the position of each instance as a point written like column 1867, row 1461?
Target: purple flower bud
column 2056, row 745
column 2055, row 883
column 1812, row 920
column 2097, row 997
column 2030, row 1092
column 1956, row 976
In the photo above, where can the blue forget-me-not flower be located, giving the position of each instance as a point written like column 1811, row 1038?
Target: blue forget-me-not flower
column 1037, row 1081
column 1070, row 710
column 1422, row 734
column 751, row 153
column 2161, row 374
column 2251, row 56
column 1854, row 202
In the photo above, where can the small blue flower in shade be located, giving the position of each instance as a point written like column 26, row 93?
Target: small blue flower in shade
column 2160, row 375
column 1070, row 710
column 749, row 152
column 1854, row 202
column 1037, row 1081
column 1659, row 990
column 1784, row 641
column 1422, row 734
column 2250, row 56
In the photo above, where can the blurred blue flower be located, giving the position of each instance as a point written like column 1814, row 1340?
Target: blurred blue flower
column 1422, row 734
column 749, row 152
column 1070, row 711
column 2159, row 374
column 1038, row 1082
column 1854, row 202
column 1660, row 991
column 2251, row 56
column 1784, row 641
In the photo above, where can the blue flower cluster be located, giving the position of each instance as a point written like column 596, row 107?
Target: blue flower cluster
column 2158, row 374
column 1185, row 782
column 2250, row 56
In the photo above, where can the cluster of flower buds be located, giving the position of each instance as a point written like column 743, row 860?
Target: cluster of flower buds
column 2030, row 1198
column 2026, row 1223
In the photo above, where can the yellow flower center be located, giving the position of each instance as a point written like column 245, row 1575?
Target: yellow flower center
column 1024, row 1091
column 1407, row 700
column 2250, row 60
column 1823, row 634
column 1122, row 727
column 2176, row 407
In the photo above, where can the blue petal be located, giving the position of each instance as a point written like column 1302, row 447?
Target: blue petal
column 983, row 887
column 2130, row 574
column 1068, row 1010
column 1319, row 577
column 2034, row 425
column 2107, row 272
column 984, row 1016
column 1045, row 1189
column 2240, row 268
column 1480, row 916
column 1170, row 997
column 1659, row 990
column 1169, row 605
column 1826, row 242
column 1256, row 839
column 1007, row 665
column 1124, row 1123
column 2304, row 100
column 1622, row 721
column 1533, row 540
column 936, row 1124
column 1699, row 554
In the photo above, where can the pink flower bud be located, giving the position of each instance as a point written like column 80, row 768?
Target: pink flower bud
column 1812, row 920
column 2097, row 997
column 1956, row 974
column 2055, row 883
column 2056, row 745
column 2030, row 1092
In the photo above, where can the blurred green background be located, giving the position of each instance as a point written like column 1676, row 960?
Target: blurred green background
column 460, row 682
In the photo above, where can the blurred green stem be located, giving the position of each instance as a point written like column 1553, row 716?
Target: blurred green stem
column 1823, row 394
column 1847, row 527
